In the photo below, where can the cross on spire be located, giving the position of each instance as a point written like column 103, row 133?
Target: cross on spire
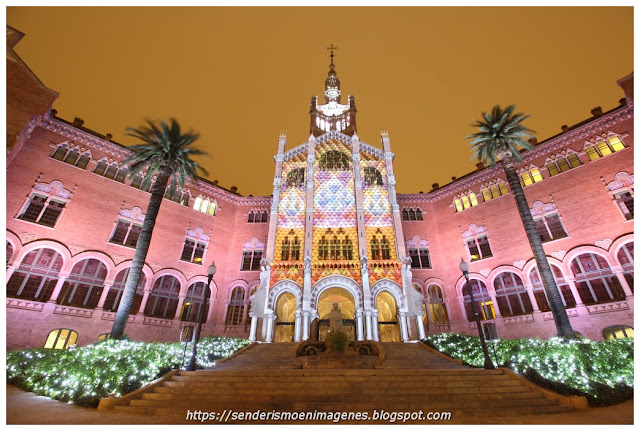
column 332, row 48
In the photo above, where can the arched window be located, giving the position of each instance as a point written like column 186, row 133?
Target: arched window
column 9, row 252
column 437, row 307
column 412, row 214
column 405, row 214
column 72, row 156
column 418, row 214
column 36, row 276
column 84, row 285
column 334, row 160
column 618, row 331
column 104, row 336
column 531, row 176
column 60, row 339
column 625, row 257
column 512, row 297
column 375, row 248
column 386, row 248
column 347, row 249
column 323, row 249
column 193, row 303
column 295, row 249
column 285, row 249
column 60, row 152
column 265, row 215
column 251, row 217
column 334, row 247
column 458, row 204
column 115, row 292
column 163, row 299
column 295, row 178
column 595, row 281
column 483, row 301
column 236, row 306
column 136, row 182
column 540, row 293
column 372, row 176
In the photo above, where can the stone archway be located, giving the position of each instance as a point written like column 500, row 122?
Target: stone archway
column 388, row 325
column 285, row 310
column 347, row 305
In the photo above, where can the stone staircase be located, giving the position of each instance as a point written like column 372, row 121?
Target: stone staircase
column 412, row 378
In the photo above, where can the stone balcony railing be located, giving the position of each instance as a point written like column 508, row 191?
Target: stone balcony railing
column 73, row 311
column 25, row 304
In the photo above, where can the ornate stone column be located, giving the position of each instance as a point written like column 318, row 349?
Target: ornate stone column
column 404, row 330
column 179, row 308
column 571, row 281
column 297, row 331
column 308, row 231
column 391, row 181
column 62, row 277
column 420, row 324
column 623, row 282
column 254, row 328
column 305, row 324
column 103, row 296
column 269, row 335
column 367, row 322
column 143, row 303
column 374, row 325
column 359, row 325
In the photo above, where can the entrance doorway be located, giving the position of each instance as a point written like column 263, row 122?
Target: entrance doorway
column 320, row 327
column 286, row 317
column 388, row 329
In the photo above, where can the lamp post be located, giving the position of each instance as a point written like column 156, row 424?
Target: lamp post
column 211, row 270
column 464, row 267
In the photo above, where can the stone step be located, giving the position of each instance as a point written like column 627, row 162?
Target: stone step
column 343, row 372
column 337, row 404
column 344, row 380
column 289, row 396
column 445, row 390
column 455, row 414
column 248, row 384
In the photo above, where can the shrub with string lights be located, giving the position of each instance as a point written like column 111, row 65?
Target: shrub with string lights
column 600, row 370
column 83, row 375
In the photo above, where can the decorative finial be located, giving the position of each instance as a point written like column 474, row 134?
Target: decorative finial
column 332, row 66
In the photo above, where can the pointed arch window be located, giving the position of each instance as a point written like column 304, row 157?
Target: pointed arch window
column 46, row 204
column 604, row 147
column 625, row 257
column 511, row 296
column 295, row 178
column 437, row 306
column 334, row 160
column 74, row 157
column 540, row 293
column 530, row 176
column 419, row 257
column 323, row 248
column 204, row 205
column 193, row 303
column 484, row 303
column 115, row 292
column 36, row 277
column 163, row 298
column 372, row 176
column 84, row 285
column 236, row 307
column 595, row 281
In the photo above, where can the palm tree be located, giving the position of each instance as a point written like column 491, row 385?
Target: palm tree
column 164, row 151
column 500, row 134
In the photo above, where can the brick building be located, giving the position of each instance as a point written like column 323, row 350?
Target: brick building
column 334, row 231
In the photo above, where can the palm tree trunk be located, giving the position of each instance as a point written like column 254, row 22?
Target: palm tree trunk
column 553, row 295
column 142, row 247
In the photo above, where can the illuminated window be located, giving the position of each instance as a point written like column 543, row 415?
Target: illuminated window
column 323, row 249
column 563, row 165
column 603, row 148
column 386, row 248
column 334, row 248
column 295, row 178
column 84, row 285
column 163, row 298
column 380, row 248
column 625, row 202
column 251, row 260
column 618, row 331
column 595, row 281
column 36, row 276
column 553, row 169
column 479, row 248
column 473, row 199
column 616, row 143
column 511, row 296
column 372, row 176
column 192, row 251
column 465, row 202
column 204, row 205
column 503, row 188
column 526, row 179
column 484, row 304
column 235, row 307
column 197, row 203
column 60, row 339
column 550, row 228
column 115, row 292
column 295, row 249
column 592, row 153
column 540, row 293
column 334, row 160
column 437, row 307
column 104, row 336
column 574, row 160
column 531, row 176
column 419, row 257
column 193, row 303
column 458, row 204
column 486, row 194
column 625, row 257
column 347, row 249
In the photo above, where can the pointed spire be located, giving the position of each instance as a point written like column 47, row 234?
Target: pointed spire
column 332, row 67
column 332, row 83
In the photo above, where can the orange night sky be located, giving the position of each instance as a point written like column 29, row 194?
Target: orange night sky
column 239, row 76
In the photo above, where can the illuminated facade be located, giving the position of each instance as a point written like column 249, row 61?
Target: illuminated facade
column 334, row 231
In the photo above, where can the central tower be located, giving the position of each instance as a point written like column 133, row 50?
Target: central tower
column 335, row 235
